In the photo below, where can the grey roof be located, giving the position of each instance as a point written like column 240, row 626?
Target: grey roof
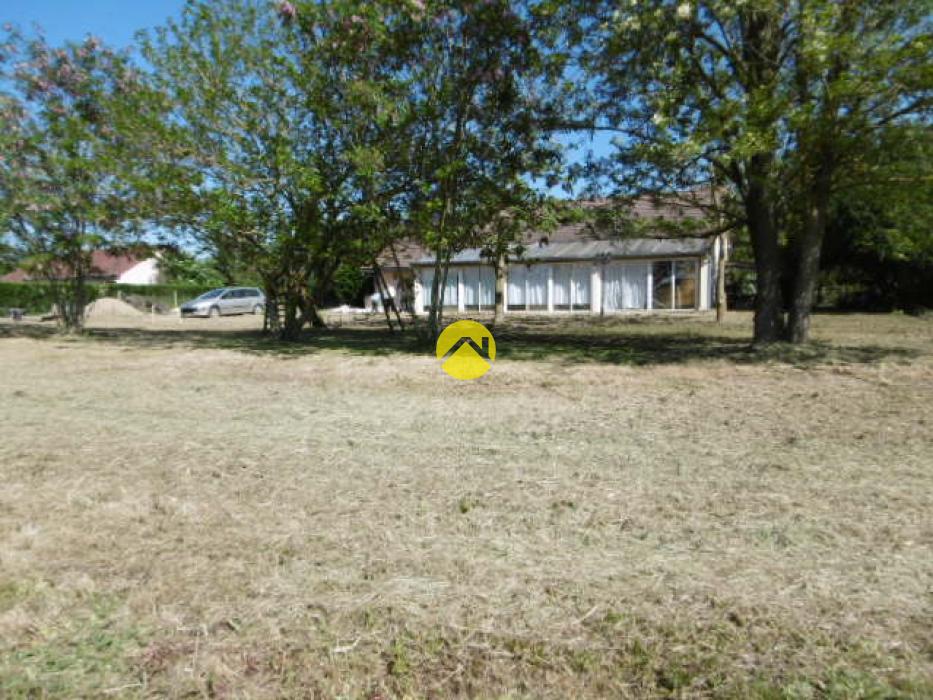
column 589, row 250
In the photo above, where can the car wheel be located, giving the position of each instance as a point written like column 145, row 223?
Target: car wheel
column 257, row 309
column 214, row 312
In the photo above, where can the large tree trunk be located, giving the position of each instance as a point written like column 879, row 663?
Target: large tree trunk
column 500, row 288
column 807, row 265
column 769, row 305
column 72, row 295
column 293, row 321
column 761, row 47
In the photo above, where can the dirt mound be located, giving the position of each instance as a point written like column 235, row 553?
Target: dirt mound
column 110, row 306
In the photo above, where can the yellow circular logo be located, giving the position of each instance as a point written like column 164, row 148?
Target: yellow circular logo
column 466, row 349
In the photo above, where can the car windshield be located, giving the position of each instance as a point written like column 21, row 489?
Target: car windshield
column 212, row 294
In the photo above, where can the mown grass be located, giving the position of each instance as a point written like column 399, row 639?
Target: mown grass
column 191, row 511
column 619, row 340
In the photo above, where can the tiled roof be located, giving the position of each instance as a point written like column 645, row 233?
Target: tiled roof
column 401, row 254
column 646, row 208
column 590, row 249
column 104, row 265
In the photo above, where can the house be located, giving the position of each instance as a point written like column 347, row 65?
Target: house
column 576, row 268
column 106, row 266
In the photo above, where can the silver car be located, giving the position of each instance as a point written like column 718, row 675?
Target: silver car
column 226, row 301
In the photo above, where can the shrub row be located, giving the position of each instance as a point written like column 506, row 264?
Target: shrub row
column 38, row 297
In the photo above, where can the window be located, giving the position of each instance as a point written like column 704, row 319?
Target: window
column 517, row 278
column 536, row 287
column 674, row 284
column 470, row 277
column 527, row 287
column 581, row 288
column 571, row 287
column 625, row 286
column 451, row 295
column 427, row 282
column 662, row 285
column 487, row 287
column 479, row 287
column 685, row 284
column 561, row 287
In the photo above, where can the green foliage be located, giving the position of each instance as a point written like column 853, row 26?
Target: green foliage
column 9, row 257
column 181, row 268
column 39, row 297
column 775, row 105
column 32, row 297
column 70, row 174
column 292, row 122
column 348, row 283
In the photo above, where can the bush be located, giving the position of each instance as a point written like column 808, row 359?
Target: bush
column 38, row 297
column 32, row 297
column 348, row 284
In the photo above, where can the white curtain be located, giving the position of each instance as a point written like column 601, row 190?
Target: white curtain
column 487, row 287
column 517, row 276
column 470, row 287
column 561, row 288
column 426, row 276
column 581, row 286
column 625, row 286
column 450, row 290
column 537, row 286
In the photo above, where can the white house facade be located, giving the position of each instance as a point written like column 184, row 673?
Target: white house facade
column 595, row 277
column 577, row 267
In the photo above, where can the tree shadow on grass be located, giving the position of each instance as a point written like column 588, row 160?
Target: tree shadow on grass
column 671, row 347
column 632, row 344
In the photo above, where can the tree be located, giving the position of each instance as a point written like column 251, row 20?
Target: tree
column 9, row 257
column 773, row 99
column 857, row 68
column 477, row 89
column 69, row 177
column 285, row 114
column 878, row 233
column 181, row 267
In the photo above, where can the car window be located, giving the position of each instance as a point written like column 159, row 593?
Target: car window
column 252, row 292
column 228, row 295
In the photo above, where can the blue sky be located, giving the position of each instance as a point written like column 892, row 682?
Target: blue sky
column 113, row 21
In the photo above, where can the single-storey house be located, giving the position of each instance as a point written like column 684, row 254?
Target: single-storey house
column 107, row 266
column 575, row 268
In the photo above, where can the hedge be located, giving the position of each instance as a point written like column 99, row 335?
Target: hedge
column 38, row 297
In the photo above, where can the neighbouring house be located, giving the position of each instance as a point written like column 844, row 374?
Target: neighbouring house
column 107, row 266
column 575, row 268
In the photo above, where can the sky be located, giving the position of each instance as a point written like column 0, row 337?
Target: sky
column 115, row 22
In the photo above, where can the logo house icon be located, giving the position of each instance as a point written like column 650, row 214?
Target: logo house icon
column 466, row 350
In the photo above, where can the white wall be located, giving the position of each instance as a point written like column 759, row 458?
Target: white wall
column 145, row 272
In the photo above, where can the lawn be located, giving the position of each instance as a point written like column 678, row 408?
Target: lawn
column 620, row 508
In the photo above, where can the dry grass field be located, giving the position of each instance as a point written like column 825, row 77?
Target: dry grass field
column 620, row 508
